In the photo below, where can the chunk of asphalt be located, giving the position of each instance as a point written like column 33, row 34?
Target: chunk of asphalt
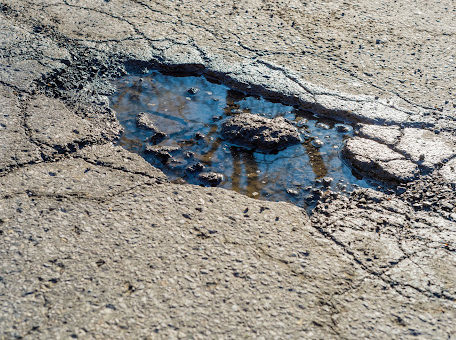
column 426, row 147
column 383, row 134
column 260, row 133
column 379, row 161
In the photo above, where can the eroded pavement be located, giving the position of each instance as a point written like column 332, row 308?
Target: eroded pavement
column 97, row 243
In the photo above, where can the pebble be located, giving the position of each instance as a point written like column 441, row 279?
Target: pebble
column 342, row 128
column 317, row 143
column 323, row 126
column 197, row 167
column 211, row 178
column 193, row 90
column 163, row 153
column 292, row 192
column 157, row 137
column 326, row 181
column 189, row 154
column 199, row 136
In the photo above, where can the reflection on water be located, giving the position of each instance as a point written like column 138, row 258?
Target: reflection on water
column 192, row 122
column 316, row 160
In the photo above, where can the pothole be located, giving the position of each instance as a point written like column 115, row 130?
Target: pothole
column 186, row 140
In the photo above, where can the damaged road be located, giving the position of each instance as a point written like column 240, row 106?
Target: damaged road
column 95, row 242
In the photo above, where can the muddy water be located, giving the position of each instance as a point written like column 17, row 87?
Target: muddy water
column 192, row 122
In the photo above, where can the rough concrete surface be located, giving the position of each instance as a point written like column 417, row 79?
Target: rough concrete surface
column 96, row 243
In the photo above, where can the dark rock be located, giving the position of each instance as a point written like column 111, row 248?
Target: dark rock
column 189, row 154
column 260, row 133
column 197, row 167
column 326, row 181
column 400, row 190
column 199, row 136
column 163, row 153
column 193, row 90
column 157, row 137
column 211, row 178
column 342, row 128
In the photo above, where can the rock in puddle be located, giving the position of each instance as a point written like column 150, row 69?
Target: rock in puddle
column 197, row 167
column 211, row 178
column 326, row 181
column 379, row 161
column 157, row 137
column 163, row 153
column 260, row 133
column 193, row 90
column 145, row 121
column 342, row 128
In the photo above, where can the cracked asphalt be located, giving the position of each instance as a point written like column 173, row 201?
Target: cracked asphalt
column 96, row 243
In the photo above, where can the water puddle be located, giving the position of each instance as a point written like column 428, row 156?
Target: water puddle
column 190, row 111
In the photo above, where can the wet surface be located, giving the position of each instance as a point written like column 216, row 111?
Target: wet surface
column 190, row 110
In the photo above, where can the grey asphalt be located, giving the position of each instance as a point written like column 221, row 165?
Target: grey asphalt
column 96, row 243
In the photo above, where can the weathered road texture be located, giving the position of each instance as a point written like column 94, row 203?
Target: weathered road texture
column 96, row 243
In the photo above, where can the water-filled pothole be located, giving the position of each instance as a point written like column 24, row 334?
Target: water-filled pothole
column 190, row 111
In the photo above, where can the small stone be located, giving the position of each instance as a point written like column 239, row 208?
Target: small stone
column 322, row 126
column 197, row 167
column 193, row 90
column 199, row 136
column 211, row 178
column 179, row 181
column 326, row 181
column 163, row 153
column 292, row 192
column 317, row 192
column 189, row 154
column 157, row 137
column 317, row 143
column 342, row 187
column 342, row 128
